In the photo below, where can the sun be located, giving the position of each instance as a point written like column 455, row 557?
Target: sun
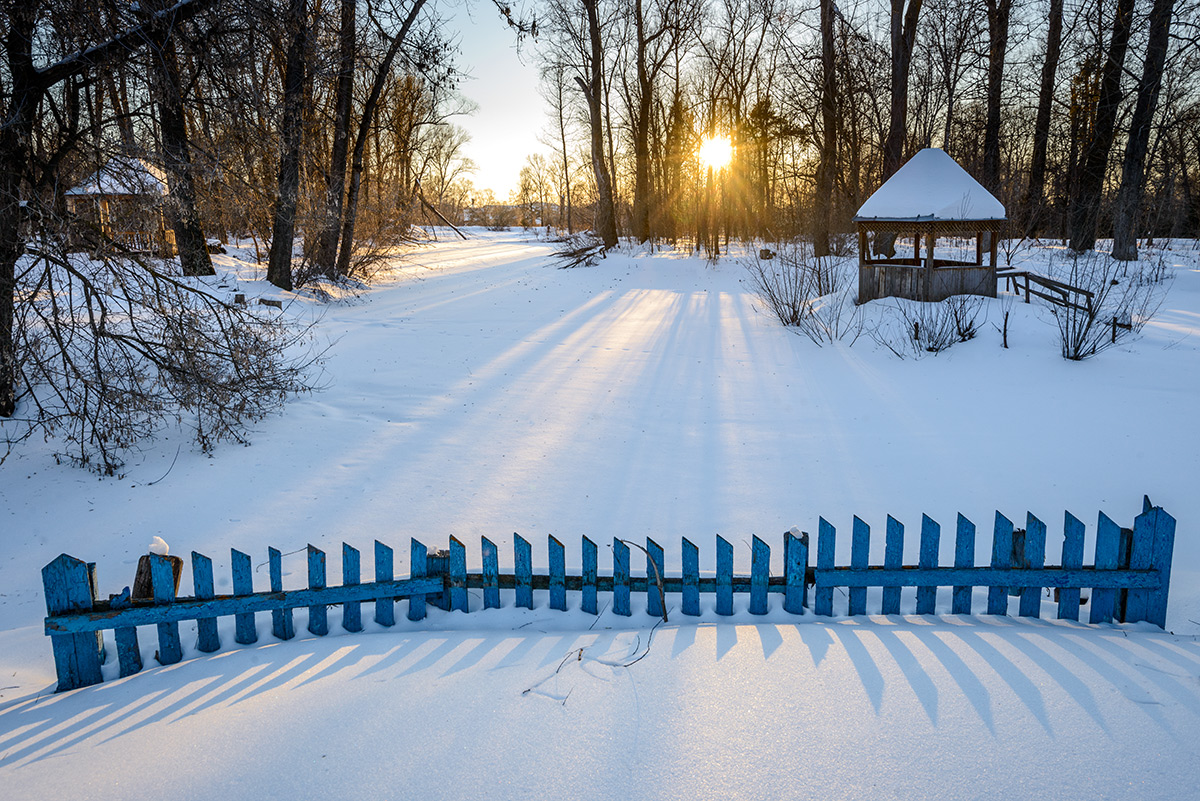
column 715, row 151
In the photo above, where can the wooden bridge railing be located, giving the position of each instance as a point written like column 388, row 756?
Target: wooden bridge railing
column 1129, row 578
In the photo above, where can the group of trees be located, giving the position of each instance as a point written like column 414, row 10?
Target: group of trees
column 305, row 123
column 1081, row 116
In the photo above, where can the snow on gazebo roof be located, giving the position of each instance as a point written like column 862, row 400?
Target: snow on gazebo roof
column 931, row 187
column 123, row 176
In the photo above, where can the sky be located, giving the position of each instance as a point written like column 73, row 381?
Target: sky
column 504, row 85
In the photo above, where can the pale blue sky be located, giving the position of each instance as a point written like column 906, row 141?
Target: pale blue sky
column 505, row 128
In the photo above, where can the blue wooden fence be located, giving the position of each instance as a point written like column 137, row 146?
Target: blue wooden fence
column 1129, row 579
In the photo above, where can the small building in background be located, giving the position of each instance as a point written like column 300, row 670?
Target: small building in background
column 931, row 196
column 121, row 206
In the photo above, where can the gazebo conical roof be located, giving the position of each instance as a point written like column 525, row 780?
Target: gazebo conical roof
column 931, row 188
column 123, row 176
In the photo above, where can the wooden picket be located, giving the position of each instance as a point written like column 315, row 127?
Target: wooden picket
column 1129, row 580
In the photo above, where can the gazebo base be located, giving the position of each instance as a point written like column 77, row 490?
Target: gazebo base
column 884, row 280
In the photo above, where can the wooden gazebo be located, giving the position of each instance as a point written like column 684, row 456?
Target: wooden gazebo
column 930, row 196
column 123, row 203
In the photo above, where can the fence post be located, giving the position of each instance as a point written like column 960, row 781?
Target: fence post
column 1002, row 539
column 523, row 564
column 318, row 615
column 1072, row 559
column 162, row 579
column 931, row 537
column 1163, row 526
column 417, row 559
column 691, row 578
column 760, row 575
column 860, row 547
column 491, row 573
column 385, row 608
column 826, row 538
column 207, row 639
column 964, row 556
column 795, row 571
column 589, row 577
column 246, row 632
column 724, row 576
column 67, row 589
column 558, row 573
column 654, row 573
column 1035, row 558
column 1108, row 545
column 456, row 576
column 620, row 578
column 893, row 559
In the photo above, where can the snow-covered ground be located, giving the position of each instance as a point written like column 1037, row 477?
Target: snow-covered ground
column 480, row 391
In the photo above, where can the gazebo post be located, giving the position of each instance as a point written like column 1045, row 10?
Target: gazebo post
column 979, row 248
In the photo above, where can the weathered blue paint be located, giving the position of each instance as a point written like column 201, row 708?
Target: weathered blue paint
column 893, row 558
column 724, row 577
column 351, row 575
column 964, row 556
column 826, row 539
column 207, row 639
column 162, row 579
column 1163, row 526
column 1002, row 535
column 524, row 571
column 418, row 557
column 246, row 632
column 457, row 576
column 1035, row 559
column 931, row 538
column 129, row 653
column 491, row 573
column 1108, row 544
column 67, row 590
column 385, row 570
column 318, row 616
column 558, row 574
column 620, row 578
column 1141, row 558
column 795, row 566
column 986, row 577
column 1072, row 558
column 589, row 577
column 860, row 547
column 760, row 568
column 691, row 578
column 655, row 573
column 281, row 619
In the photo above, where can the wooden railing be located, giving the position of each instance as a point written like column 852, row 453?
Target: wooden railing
column 1129, row 580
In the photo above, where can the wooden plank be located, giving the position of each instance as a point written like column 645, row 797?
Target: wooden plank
column 893, row 557
column 418, row 561
column 691, row 578
column 558, row 574
column 1108, row 544
column 620, row 578
column 826, row 537
column 243, row 585
column 1002, row 535
column 129, row 653
column 931, row 536
column 457, row 575
column 1072, row 558
column 860, row 547
column 491, row 573
column 760, row 569
column 1035, row 559
column 724, row 577
column 162, row 578
column 67, row 589
column 108, row 617
column 1141, row 558
column 588, row 579
column 523, row 569
column 795, row 570
column 385, row 570
column 207, row 639
column 318, row 615
column 964, row 557
column 913, row 576
column 655, row 573
column 351, row 575
column 281, row 619
column 1163, row 526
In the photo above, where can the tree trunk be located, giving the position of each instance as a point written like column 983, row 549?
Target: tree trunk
column 998, row 12
column 641, row 132
column 335, row 184
column 283, row 232
column 1133, row 171
column 1035, row 192
column 177, row 157
column 1085, row 205
column 827, row 165
column 606, row 223
column 903, row 33
column 350, row 215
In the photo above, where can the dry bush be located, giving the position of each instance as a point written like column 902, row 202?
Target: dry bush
column 914, row 328
column 1125, row 295
column 814, row 295
column 111, row 351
